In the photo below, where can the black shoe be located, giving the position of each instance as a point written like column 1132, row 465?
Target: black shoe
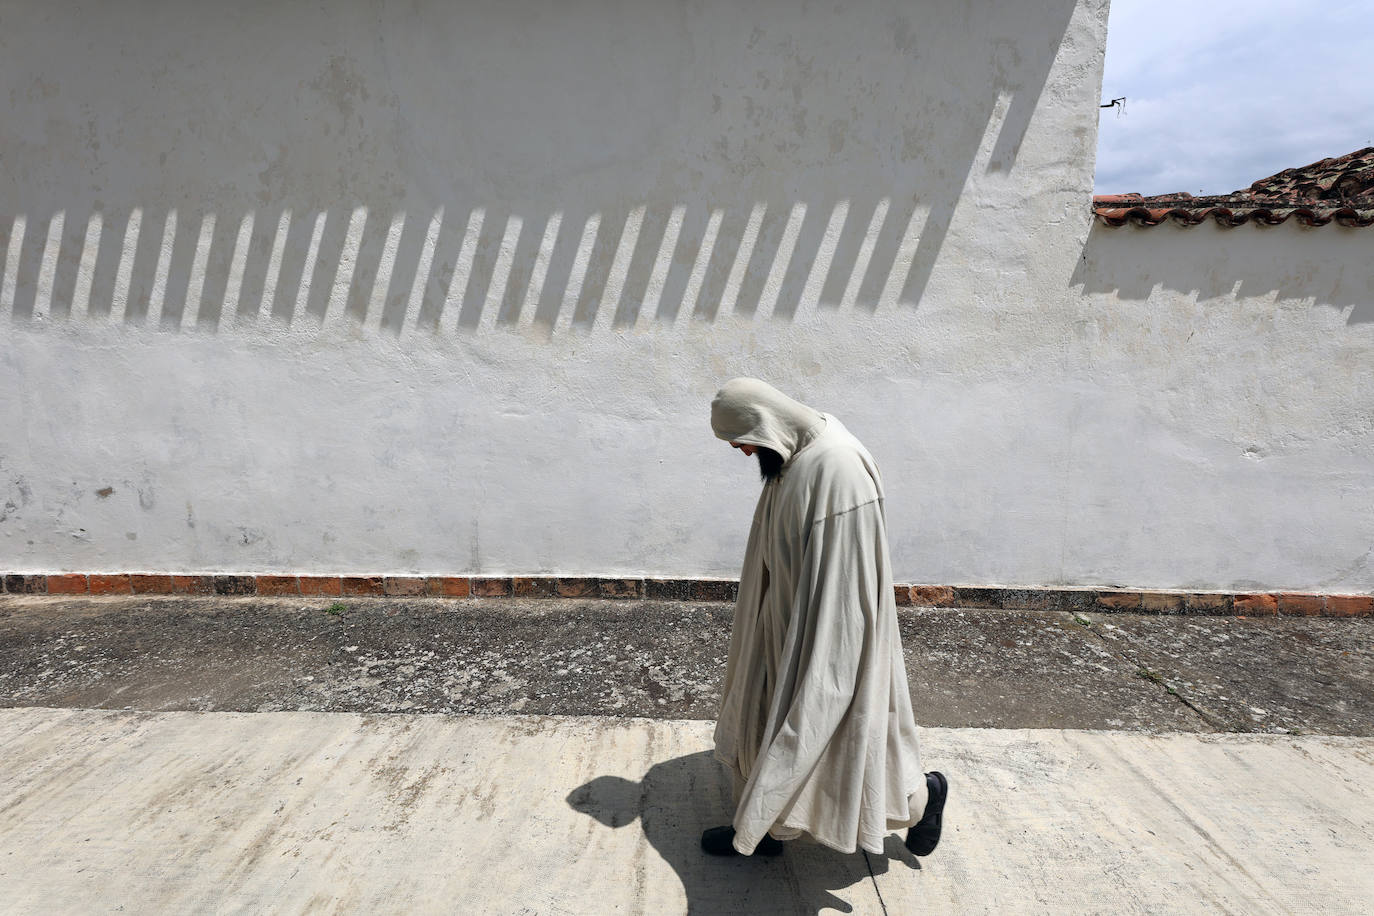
column 925, row 835
column 720, row 841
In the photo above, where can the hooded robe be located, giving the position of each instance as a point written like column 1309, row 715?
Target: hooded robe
column 815, row 720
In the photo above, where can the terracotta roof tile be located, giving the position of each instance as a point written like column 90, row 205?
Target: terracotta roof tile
column 1339, row 190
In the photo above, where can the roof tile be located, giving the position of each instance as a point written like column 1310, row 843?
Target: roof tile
column 1339, row 190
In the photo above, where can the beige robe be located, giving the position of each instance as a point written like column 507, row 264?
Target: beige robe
column 815, row 721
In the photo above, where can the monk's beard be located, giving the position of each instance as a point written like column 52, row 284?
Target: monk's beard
column 770, row 464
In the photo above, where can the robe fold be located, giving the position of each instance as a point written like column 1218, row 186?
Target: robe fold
column 815, row 721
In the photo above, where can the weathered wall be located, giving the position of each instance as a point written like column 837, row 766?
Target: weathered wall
column 1224, row 407
column 449, row 289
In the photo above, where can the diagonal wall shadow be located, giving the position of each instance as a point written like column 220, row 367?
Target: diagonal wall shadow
column 1324, row 265
column 768, row 178
column 1020, row 62
column 679, row 798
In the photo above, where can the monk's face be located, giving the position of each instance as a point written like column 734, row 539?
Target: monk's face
column 770, row 462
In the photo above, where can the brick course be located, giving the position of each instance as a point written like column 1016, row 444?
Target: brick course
column 278, row 585
column 576, row 588
column 978, row 597
column 1301, row 605
column 150, row 584
column 324, row 586
column 726, row 590
column 620, row 588
column 714, row 590
column 20, row 584
column 1350, row 605
column 449, row 586
column 362, row 585
column 668, row 589
column 235, row 585
column 534, row 587
column 491, row 588
column 1206, row 603
column 67, row 585
column 1161, row 602
column 404, row 586
column 101, row 584
column 1120, row 601
column 1255, row 605
column 193, row 585
column 932, row 595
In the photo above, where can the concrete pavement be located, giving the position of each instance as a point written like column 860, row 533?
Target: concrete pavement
column 110, row 811
column 664, row 659
column 377, row 756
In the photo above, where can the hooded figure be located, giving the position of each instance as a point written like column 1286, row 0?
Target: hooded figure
column 815, row 720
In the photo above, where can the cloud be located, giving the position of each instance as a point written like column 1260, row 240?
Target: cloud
column 1221, row 94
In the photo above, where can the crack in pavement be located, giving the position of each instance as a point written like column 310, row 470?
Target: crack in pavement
column 1146, row 673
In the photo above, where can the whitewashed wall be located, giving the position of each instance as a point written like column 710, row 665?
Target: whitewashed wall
column 448, row 288
column 1219, row 408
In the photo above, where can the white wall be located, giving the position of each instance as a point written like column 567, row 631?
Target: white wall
column 579, row 219
column 1220, row 408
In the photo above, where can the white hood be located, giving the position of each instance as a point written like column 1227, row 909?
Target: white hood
column 752, row 412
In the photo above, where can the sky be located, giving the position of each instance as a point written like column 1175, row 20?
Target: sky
column 1221, row 93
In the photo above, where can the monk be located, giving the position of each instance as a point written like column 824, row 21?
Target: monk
column 815, row 720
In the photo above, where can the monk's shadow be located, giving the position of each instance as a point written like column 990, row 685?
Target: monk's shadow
column 677, row 799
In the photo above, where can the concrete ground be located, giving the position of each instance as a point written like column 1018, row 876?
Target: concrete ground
column 231, row 755
column 978, row 668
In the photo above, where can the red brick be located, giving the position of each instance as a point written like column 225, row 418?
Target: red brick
column 67, row 585
column 449, row 586
column 362, row 585
column 193, row 585
column 576, row 587
column 1255, row 605
column 110, row 585
column 534, row 587
column 1297, row 604
column 1120, row 601
column 490, row 588
column 278, row 585
column 620, row 588
column 932, row 595
column 1161, row 602
column 1336, row 605
column 151, row 585
column 902, row 593
column 327, row 586
column 404, row 586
